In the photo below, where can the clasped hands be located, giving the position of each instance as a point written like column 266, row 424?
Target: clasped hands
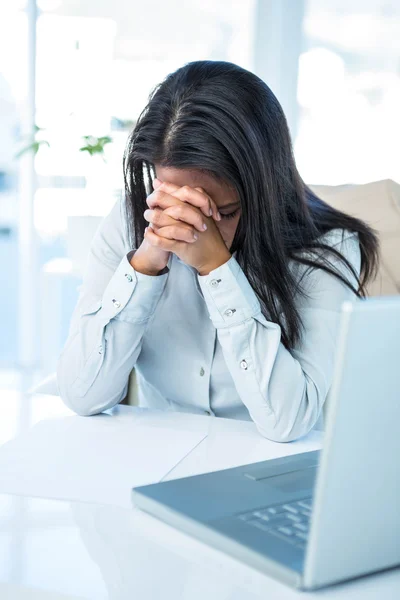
column 177, row 216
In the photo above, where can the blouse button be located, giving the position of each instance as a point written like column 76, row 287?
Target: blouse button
column 214, row 282
column 128, row 277
column 229, row 312
column 243, row 364
column 116, row 303
column 202, row 371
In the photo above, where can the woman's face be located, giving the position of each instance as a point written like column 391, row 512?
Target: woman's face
column 223, row 195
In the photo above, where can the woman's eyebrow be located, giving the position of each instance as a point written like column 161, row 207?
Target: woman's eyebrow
column 230, row 205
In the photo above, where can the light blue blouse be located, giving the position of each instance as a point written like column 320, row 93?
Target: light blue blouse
column 200, row 343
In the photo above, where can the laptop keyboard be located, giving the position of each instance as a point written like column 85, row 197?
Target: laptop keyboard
column 289, row 521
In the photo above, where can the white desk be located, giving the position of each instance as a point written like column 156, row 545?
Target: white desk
column 58, row 550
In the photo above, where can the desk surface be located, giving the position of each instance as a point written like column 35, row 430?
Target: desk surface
column 63, row 550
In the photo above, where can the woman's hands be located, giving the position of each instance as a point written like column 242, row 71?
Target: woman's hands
column 177, row 216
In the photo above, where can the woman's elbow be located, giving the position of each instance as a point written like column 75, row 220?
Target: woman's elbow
column 84, row 407
column 284, row 430
column 92, row 401
column 281, row 435
column 298, row 419
column 81, row 410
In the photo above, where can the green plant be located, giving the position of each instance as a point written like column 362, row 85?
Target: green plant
column 92, row 145
column 31, row 143
column 95, row 145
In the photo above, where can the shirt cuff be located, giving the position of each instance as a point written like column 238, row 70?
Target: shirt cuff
column 132, row 296
column 228, row 294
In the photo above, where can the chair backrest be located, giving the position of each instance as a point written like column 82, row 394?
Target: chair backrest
column 378, row 204
column 132, row 393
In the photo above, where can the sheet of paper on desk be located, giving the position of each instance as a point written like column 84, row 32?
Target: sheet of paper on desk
column 95, row 459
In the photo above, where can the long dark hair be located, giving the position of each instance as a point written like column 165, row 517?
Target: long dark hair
column 218, row 118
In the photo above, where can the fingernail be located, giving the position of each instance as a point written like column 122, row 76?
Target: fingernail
column 195, row 236
column 211, row 212
column 146, row 230
column 156, row 183
column 204, row 226
column 219, row 216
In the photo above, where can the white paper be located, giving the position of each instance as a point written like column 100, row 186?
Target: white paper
column 92, row 459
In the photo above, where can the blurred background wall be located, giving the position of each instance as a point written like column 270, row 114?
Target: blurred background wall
column 70, row 69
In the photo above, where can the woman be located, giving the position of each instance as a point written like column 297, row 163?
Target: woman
column 229, row 302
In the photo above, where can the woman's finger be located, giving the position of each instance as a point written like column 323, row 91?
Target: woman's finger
column 216, row 214
column 161, row 219
column 166, row 238
column 199, row 199
column 177, row 210
column 161, row 199
column 195, row 196
column 157, row 241
column 188, row 214
column 157, row 217
column 179, row 233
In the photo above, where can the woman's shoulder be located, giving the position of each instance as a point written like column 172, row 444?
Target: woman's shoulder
column 342, row 241
column 347, row 243
column 111, row 238
column 339, row 237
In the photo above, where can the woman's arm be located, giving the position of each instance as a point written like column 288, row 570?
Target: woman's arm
column 108, row 323
column 283, row 391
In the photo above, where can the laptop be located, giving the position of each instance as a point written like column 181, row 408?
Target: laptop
column 316, row 518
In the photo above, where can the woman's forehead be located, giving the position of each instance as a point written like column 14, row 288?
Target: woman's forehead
column 196, row 178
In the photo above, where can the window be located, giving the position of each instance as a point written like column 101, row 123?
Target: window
column 349, row 92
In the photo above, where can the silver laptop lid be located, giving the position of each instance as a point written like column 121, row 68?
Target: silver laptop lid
column 355, row 525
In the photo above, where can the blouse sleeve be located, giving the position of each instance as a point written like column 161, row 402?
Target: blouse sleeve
column 283, row 391
column 107, row 326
